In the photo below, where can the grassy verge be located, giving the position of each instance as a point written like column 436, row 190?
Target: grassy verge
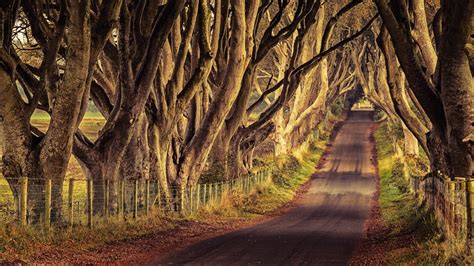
column 17, row 243
column 411, row 235
column 289, row 173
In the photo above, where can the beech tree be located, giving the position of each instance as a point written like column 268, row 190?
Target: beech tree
column 445, row 95
column 62, row 32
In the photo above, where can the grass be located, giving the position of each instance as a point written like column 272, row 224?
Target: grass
column 289, row 172
column 23, row 243
column 413, row 235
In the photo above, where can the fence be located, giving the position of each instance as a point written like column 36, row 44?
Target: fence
column 84, row 202
column 448, row 199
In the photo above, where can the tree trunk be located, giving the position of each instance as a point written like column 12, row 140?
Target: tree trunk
column 422, row 37
column 411, row 143
column 195, row 154
column 457, row 91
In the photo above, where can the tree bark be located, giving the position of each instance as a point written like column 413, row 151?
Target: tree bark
column 457, row 84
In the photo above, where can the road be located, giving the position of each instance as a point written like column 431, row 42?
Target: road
column 322, row 228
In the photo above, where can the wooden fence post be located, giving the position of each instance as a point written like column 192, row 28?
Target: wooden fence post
column 106, row 198
column 204, row 196
column 221, row 191
column 135, row 199
column 23, row 200
column 210, row 192
column 89, row 203
column 158, row 193
column 191, row 196
column 122, row 199
column 470, row 213
column 147, row 196
column 198, row 196
column 71, row 202
column 181, row 198
column 47, row 204
column 216, row 192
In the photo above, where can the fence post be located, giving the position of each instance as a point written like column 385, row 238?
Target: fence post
column 470, row 214
column 23, row 200
column 122, row 199
column 181, row 198
column 210, row 192
column 89, row 203
column 216, row 192
column 198, row 196
column 221, row 191
column 158, row 193
column 147, row 196
column 135, row 199
column 71, row 202
column 47, row 204
column 204, row 196
column 191, row 196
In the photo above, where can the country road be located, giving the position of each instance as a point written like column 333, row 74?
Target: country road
column 323, row 227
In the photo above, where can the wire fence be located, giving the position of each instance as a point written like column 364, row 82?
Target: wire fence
column 43, row 203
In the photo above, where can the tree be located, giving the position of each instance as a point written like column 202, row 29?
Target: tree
column 447, row 97
column 28, row 152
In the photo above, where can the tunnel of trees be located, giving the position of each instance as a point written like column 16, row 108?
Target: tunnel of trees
column 186, row 86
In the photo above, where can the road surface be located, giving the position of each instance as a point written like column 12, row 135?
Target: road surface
column 322, row 228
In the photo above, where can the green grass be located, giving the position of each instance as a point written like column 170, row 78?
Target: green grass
column 285, row 182
column 289, row 172
column 413, row 234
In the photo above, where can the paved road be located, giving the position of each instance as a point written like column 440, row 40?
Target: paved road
column 325, row 224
